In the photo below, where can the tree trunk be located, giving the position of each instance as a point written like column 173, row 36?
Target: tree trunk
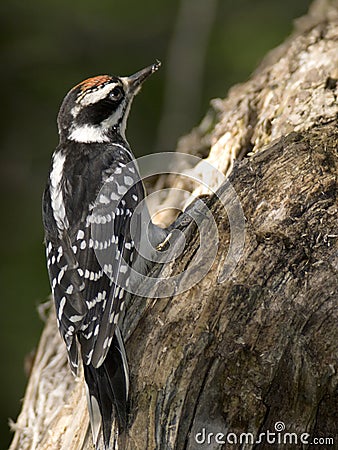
column 250, row 348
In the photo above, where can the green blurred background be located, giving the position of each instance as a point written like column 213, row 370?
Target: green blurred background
column 46, row 48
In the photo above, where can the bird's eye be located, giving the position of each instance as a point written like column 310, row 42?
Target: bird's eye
column 117, row 93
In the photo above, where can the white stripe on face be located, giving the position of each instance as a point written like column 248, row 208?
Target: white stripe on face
column 99, row 93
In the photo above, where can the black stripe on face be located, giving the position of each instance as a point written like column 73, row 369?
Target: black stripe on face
column 98, row 112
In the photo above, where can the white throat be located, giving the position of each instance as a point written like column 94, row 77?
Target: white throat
column 89, row 133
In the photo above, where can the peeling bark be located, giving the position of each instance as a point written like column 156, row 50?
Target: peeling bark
column 261, row 347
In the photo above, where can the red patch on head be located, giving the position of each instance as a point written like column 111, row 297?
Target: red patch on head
column 93, row 82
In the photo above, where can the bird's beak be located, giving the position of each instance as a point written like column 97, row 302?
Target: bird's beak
column 135, row 81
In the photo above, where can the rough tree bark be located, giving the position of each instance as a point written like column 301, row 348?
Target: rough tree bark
column 262, row 346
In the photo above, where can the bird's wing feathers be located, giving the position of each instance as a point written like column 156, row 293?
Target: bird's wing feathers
column 67, row 287
column 89, row 266
column 114, row 249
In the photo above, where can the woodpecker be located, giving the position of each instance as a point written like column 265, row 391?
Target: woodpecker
column 92, row 151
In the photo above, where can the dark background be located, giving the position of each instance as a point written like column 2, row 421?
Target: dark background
column 46, row 48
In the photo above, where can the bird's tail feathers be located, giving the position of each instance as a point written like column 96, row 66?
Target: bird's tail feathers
column 107, row 392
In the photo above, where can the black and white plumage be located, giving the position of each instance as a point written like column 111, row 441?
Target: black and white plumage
column 89, row 296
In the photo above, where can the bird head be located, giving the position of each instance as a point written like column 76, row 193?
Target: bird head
column 99, row 106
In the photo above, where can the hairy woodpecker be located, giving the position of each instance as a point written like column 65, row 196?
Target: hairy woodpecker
column 88, row 299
